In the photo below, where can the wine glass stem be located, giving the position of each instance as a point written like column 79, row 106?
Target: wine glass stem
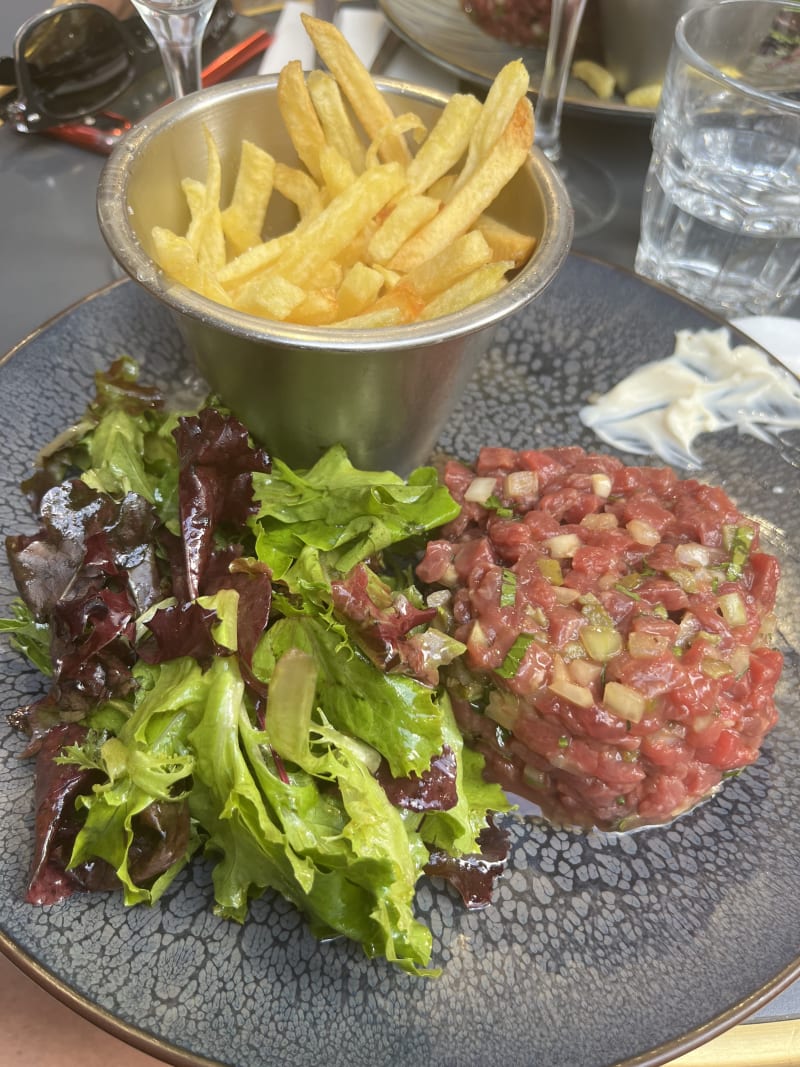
column 565, row 20
column 178, row 28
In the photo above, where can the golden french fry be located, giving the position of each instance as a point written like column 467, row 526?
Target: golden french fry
column 255, row 260
column 177, row 258
column 469, row 202
column 356, row 248
column 359, row 289
column 409, row 214
column 504, row 241
column 645, row 96
column 377, row 317
column 390, row 277
column 271, row 296
column 463, row 256
column 243, row 218
column 334, row 118
column 205, row 229
column 375, row 244
column 329, row 275
column 445, row 144
column 408, row 122
column 195, row 193
column 300, row 188
column 331, row 231
column 317, row 309
column 507, row 90
column 355, row 81
column 300, row 118
column 599, row 79
column 406, row 302
column 483, row 282
column 337, row 174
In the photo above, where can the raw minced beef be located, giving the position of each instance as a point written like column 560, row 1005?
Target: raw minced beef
column 617, row 623
column 527, row 22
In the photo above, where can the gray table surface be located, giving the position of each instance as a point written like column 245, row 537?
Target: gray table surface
column 52, row 255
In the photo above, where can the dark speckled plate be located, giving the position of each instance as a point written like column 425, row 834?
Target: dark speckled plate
column 597, row 950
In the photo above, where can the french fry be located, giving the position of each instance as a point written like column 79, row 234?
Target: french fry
column 409, row 214
column 255, row 260
column 195, row 193
column 334, row 119
column 359, row 290
column 337, row 174
column 300, row 118
column 328, row 234
column 599, row 79
column 463, row 256
column 355, row 81
column 391, row 278
column 469, row 202
column 645, row 96
column 375, row 244
column 329, row 275
column 504, row 241
column 177, row 258
column 507, row 90
column 243, row 218
column 445, row 144
column 205, row 230
column 317, row 309
column 271, row 296
column 408, row 122
column 373, row 319
column 300, row 188
column 483, row 282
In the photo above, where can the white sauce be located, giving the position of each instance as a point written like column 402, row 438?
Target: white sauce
column 704, row 386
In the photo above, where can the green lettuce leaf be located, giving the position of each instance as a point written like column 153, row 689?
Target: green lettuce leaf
column 345, row 513
column 344, row 856
column 394, row 714
column 28, row 636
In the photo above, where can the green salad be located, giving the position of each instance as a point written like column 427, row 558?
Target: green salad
column 241, row 666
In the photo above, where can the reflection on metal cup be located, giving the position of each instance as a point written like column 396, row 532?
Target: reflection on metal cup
column 721, row 205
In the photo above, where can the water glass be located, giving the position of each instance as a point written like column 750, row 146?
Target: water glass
column 721, row 207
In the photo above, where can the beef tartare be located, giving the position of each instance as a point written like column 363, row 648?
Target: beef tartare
column 617, row 623
column 527, row 22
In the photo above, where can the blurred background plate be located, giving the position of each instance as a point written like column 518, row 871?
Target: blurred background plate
column 598, row 949
column 440, row 30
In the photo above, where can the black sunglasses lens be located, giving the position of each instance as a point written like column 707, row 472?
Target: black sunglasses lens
column 77, row 61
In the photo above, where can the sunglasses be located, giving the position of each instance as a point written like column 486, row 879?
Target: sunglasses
column 73, row 61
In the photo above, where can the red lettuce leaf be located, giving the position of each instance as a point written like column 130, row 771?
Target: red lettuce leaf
column 215, row 485
column 474, row 875
column 433, row 790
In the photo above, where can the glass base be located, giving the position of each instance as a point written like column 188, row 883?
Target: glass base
column 591, row 189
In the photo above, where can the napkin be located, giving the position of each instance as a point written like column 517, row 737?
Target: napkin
column 365, row 31
column 778, row 335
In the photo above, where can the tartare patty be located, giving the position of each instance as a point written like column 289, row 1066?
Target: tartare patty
column 617, row 623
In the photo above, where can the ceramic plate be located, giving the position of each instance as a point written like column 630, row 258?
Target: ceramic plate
column 441, row 31
column 598, row 949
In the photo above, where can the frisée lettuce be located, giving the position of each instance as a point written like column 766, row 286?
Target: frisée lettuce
column 234, row 672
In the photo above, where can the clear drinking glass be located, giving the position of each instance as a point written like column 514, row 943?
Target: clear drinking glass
column 721, row 206
column 178, row 27
column 591, row 190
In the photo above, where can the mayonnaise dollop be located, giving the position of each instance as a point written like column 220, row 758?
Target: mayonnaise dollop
column 704, row 386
